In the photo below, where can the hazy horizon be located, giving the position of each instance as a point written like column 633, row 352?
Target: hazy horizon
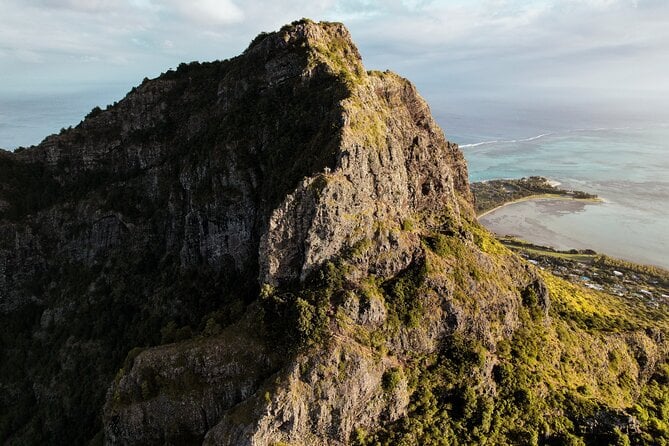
column 26, row 120
column 488, row 68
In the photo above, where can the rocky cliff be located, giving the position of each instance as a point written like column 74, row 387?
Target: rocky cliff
column 281, row 248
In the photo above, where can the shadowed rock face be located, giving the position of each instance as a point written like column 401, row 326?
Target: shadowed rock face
column 254, row 170
column 252, row 251
column 379, row 160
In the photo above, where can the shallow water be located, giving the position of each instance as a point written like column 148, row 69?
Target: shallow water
column 627, row 167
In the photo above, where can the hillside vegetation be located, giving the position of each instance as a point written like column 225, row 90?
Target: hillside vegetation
column 282, row 248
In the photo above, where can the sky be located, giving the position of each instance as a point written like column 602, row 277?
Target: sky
column 479, row 63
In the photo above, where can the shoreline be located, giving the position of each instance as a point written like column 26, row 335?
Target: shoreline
column 539, row 197
column 538, row 218
column 555, row 239
column 645, row 283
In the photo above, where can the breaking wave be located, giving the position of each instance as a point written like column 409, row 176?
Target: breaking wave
column 501, row 141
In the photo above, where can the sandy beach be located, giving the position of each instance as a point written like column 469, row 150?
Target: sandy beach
column 541, row 197
column 566, row 223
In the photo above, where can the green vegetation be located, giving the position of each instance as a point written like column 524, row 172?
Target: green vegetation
column 490, row 349
column 493, row 193
column 643, row 285
column 402, row 296
column 391, row 378
column 308, row 116
column 453, row 404
column 25, row 187
column 129, row 302
column 139, row 294
column 652, row 409
column 569, row 379
column 297, row 315
column 336, row 53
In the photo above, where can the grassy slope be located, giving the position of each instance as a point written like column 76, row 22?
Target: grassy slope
column 590, row 370
column 645, row 283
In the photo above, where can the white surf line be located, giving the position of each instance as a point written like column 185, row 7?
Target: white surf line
column 498, row 141
column 532, row 138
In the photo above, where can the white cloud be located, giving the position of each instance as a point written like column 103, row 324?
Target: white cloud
column 28, row 56
column 494, row 44
column 213, row 12
column 79, row 5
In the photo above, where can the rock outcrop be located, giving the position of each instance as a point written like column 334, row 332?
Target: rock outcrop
column 281, row 247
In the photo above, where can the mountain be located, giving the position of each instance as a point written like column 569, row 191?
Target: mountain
column 281, row 248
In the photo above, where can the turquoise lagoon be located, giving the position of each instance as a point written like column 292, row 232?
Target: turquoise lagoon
column 627, row 167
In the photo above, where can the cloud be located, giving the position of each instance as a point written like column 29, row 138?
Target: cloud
column 78, row 5
column 213, row 12
column 513, row 33
column 495, row 46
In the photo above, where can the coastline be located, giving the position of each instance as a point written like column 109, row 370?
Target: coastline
column 626, row 167
column 547, row 215
column 553, row 222
column 645, row 283
column 539, row 197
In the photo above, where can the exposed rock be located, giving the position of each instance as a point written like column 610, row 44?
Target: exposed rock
column 178, row 392
column 289, row 244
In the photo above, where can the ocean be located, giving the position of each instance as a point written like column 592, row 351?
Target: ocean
column 628, row 167
column 26, row 117
column 623, row 160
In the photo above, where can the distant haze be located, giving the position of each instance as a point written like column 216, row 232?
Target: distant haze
column 488, row 68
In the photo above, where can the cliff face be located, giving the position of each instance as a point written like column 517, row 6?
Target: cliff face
column 263, row 166
column 280, row 247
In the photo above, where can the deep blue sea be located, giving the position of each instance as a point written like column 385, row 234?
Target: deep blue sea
column 624, row 160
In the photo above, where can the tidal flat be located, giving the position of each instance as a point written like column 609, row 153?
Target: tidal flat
column 627, row 168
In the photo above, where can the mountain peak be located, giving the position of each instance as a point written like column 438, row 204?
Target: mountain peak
column 318, row 44
column 281, row 248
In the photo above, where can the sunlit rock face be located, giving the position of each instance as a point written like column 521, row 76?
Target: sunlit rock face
column 279, row 248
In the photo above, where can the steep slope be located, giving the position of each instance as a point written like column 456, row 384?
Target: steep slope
column 282, row 247
column 132, row 227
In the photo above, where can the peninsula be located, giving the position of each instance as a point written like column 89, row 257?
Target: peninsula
column 492, row 194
